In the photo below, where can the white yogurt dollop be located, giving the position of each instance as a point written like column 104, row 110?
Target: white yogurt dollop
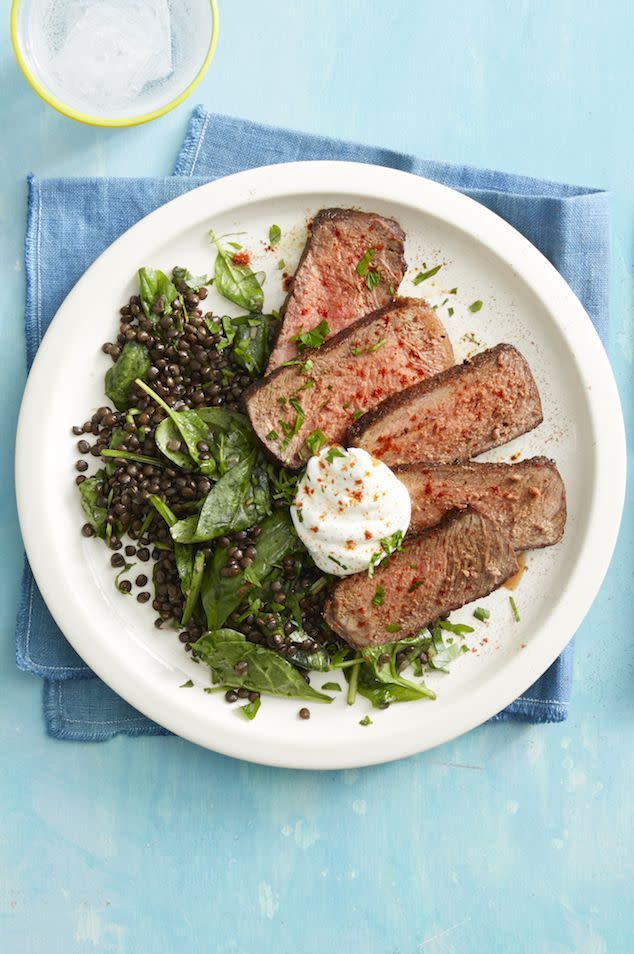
column 346, row 503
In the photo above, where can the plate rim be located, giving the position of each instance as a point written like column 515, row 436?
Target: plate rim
column 382, row 184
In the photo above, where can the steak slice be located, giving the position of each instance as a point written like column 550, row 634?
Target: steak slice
column 482, row 403
column 526, row 500
column 326, row 285
column 399, row 344
column 461, row 559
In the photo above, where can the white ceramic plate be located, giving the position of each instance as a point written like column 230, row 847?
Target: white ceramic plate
column 526, row 303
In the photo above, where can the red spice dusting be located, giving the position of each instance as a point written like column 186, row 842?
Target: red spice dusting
column 240, row 258
column 304, row 311
column 367, row 534
column 314, row 529
column 350, row 545
column 361, row 611
column 428, row 488
column 357, row 495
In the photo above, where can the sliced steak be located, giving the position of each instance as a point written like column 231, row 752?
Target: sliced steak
column 399, row 344
column 461, row 559
column 326, row 285
column 526, row 500
column 461, row 412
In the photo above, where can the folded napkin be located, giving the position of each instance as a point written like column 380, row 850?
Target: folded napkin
column 71, row 221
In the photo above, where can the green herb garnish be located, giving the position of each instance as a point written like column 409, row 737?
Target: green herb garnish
column 366, row 720
column 333, row 453
column 481, row 613
column 372, row 279
column 313, row 338
column 331, row 687
column 379, row 596
column 475, row 306
column 275, row 234
column 423, row 276
column 375, row 347
column 186, row 685
column 363, row 265
column 316, row 440
column 516, row 615
column 250, row 710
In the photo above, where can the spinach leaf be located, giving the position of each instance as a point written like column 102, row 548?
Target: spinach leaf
column 229, row 436
column 221, row 595
column 156, row 292
column 196, row 580
column 252, row 342
column 381, row 692
column 268, row 672
column 238, row 500
column 237, row 283
column 182, row 276
column 190, row 426
column 132, row 363
column 166, row 437
column 183, row 554
column 318, row 660
column 116, row 440
column 380, row 682
column 90, row 490
column 440, row 653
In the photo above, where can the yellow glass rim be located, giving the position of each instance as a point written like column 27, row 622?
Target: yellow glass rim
column 85, row 118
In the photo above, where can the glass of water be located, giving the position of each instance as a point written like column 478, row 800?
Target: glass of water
column 114, row 62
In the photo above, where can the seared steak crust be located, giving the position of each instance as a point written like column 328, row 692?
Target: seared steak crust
column 461, row 559
column 459, row 413
column 526, row 500
column 326, row 285
column 394, row 347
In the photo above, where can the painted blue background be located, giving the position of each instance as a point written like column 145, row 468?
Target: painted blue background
column 512, row 838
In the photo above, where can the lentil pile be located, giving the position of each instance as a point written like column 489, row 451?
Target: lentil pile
column 184, row 355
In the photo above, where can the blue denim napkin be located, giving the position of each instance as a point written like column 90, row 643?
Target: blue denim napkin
column 71, row 221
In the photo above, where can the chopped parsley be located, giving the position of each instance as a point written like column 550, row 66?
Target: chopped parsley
column 331, row 687
column 389, row 545
column 281, row 264
column 316, row 440
column 375, row 347
column 272, row 436
column 366, row 720
column 333, row 453
column 475, row 306
column 379, row 596
column 334, row 560
column 450, row 312
column 415, row 585
column 516, row 615
column 356, row 352
column 459, row 629
column 186, row 685
column 363, row 265
column 453, row 291
column 313, row 338
column 357, row 414
column 394, row 627
column 423, row 276
column 481, row 613
column 372, row 279
column 275, row 234
column 250, row 710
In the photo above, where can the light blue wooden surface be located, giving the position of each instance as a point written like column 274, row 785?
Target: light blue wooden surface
column 512, row 838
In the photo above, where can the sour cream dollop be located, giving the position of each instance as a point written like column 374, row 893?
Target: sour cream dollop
column 346, row 503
